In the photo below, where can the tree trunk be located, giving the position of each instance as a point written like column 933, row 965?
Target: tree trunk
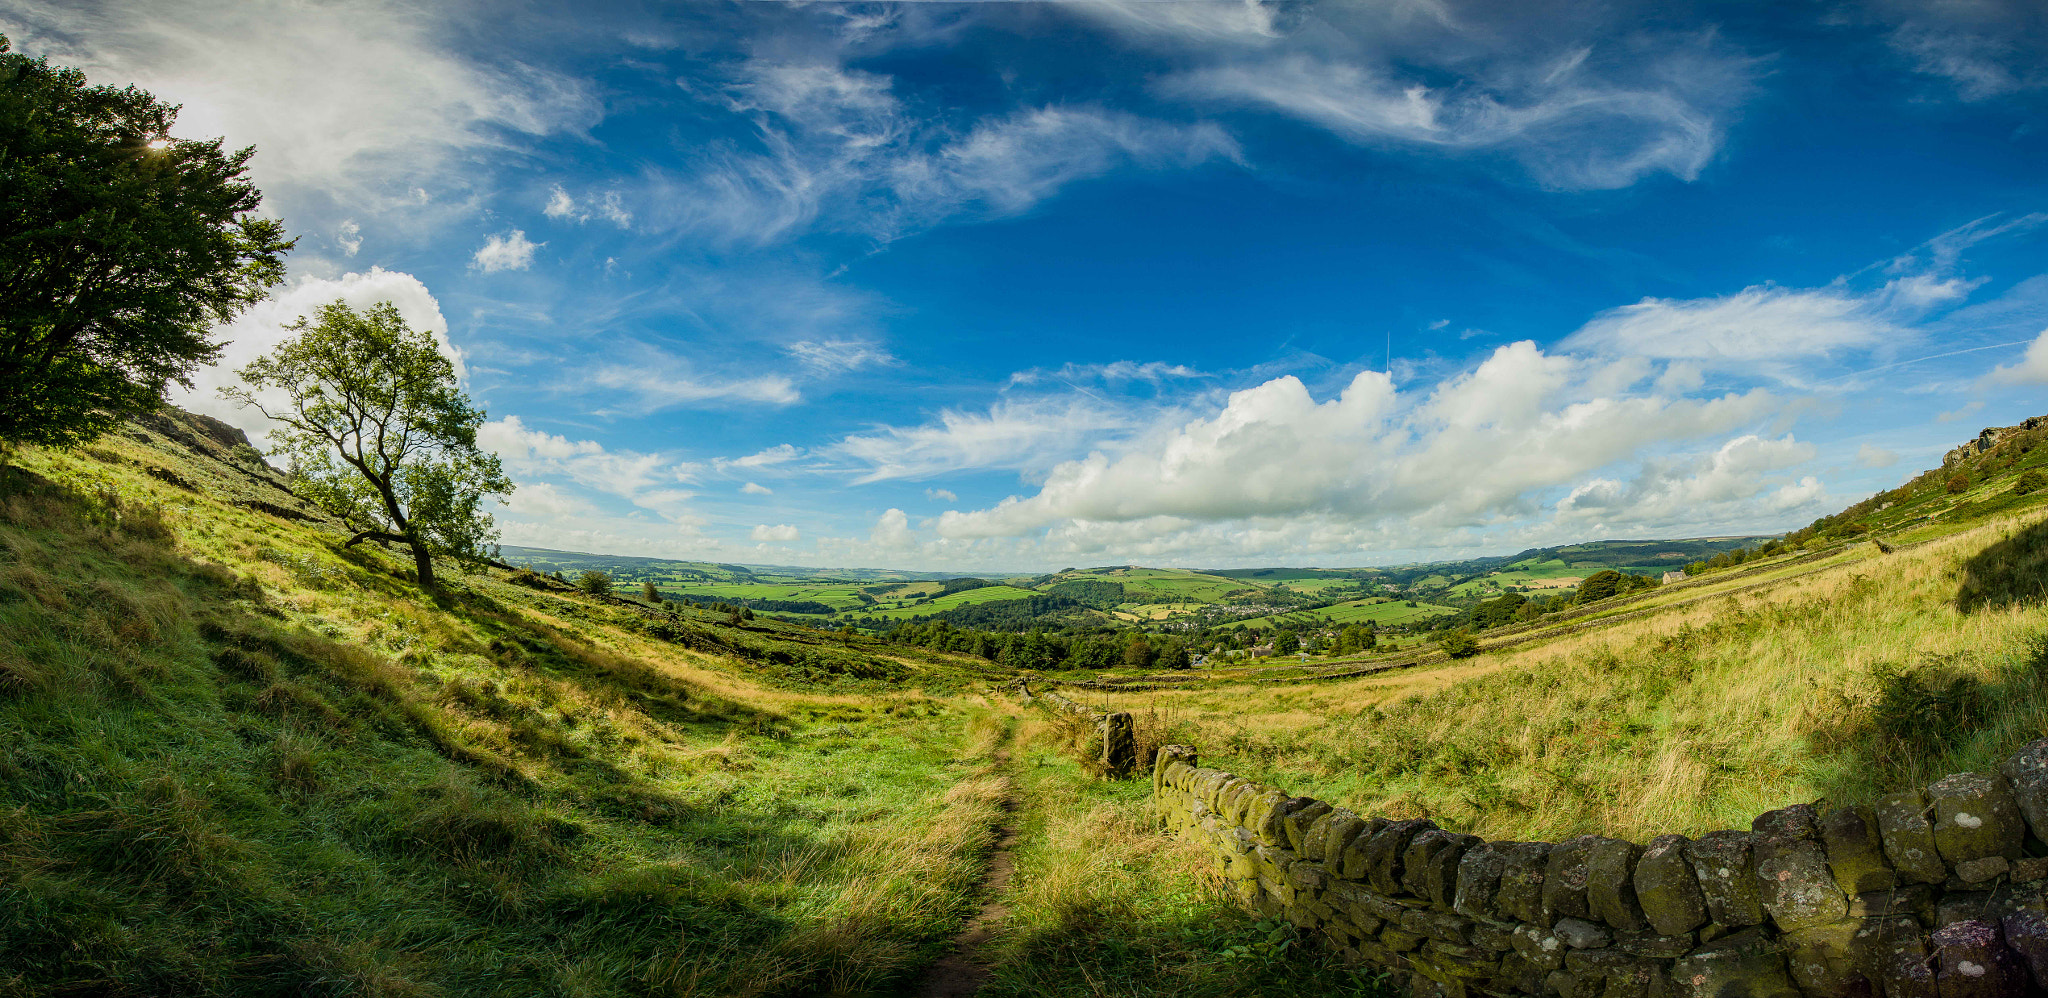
column 423, row 562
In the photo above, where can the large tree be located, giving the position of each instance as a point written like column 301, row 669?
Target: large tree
column 120, row 249
column 378, row 432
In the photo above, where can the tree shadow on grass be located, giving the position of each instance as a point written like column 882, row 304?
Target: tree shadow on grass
column 2012, row 572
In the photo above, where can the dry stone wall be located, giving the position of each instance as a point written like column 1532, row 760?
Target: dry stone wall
column 1115, row 731
column 1934, row 893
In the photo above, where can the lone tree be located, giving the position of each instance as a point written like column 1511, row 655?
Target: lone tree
column 120, row 249
column 366, row 390
column 594, row 582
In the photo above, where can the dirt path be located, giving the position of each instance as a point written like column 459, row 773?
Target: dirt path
column 963, row 971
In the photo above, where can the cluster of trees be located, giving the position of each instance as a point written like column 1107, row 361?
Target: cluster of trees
column 763, row 605
column 1103, row 648
column 122, row 249
column 1730, row 559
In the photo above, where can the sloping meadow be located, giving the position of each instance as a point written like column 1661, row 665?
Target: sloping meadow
column 236, row 758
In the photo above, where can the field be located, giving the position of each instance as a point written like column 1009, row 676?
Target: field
column 1162, row 585
column 240, row 758
column 1378, row 610
column 970, row 597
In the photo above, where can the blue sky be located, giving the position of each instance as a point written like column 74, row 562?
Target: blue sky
column 1029, row 285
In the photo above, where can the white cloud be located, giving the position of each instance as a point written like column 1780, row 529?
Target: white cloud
column 779, row 534
column 508, row 251
column 839, row 356
column 1763, row 323
column 1984, row 48
column 1872, row 456
column 1570, row 125
column 1968, row 410
column 1475, row 451
column 941, row 495
column 1154, row 372
column 1692, row 488
column 261, row 329
column 650, row 481
column 892, row 531
column 837, row 149
column 2031, row 370
column 610, row 206
column 654, row 379
column 765, row 458
column 353, row 105
column 754, row 489
column 1016, row 434
column 349, row 236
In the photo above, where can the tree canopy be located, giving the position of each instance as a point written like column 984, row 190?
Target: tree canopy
column 371, row 393
column 120, row 249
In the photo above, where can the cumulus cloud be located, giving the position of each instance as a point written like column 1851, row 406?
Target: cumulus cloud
column 508, row 251
column 892, row 531
column 1475, row 450
column 1764, row 323
column 650, row 481
column 1873, row 456
column 781, row 533
column 941, row 495
column 2031, row 370
column 261, row 329
column 756, row 489
column 1698, row 487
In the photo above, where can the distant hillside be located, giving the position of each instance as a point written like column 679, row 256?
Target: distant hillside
column 2002, row 470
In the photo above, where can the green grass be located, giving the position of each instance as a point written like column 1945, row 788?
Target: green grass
column 1378, row 609
column 238, row 759
column 1102, row 904
column 970, row 597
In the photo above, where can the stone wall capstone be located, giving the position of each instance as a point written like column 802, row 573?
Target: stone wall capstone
column 1934, row 893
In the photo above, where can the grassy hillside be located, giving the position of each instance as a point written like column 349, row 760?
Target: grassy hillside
column 1842, row 678
column 238, row 758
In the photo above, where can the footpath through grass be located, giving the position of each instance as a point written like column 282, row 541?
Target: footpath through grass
column 238, row 759
column 1103, row 904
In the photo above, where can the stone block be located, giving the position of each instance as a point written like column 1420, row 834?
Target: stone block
column 1343, row 829
column 1479, row 872
column 1300, row 819
column 2026, row 774
column 1521, row 881
column 1983, row 870
column 1437, row 925
column 1886, row 951
column 1598, row 962
column 1641, row 979
column 1746, row 964
column 1795, row 884
column 1540, row 947
column 1382, row 853
column 2026, row 934
column 1800, row 821
column 1495, row 936
column 1721, row 862
column 1564, row 883
column 1611, row 884
column 1909, row 838
column 1821, row 960
column 1349, row 862
column 1429, row 866
column 1400, row 940
column 1308, row 877
column 1564, row 984
column 1653, row 946
column 1856, row 851
column 1578, row 933
column 1916, row 900
column 1975, row 817
column 2029, row 869
column 1314, row 835
column 1667, row 889
column 1972, row 961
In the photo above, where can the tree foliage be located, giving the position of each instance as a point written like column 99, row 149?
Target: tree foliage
column 594, row 582
column 378, row 433
column 120, row 249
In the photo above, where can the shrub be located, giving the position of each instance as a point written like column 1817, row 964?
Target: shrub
column 1458, row 644
column 595, row 583
column 2030, row 481
column 649, row 592
column 1958, row 483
